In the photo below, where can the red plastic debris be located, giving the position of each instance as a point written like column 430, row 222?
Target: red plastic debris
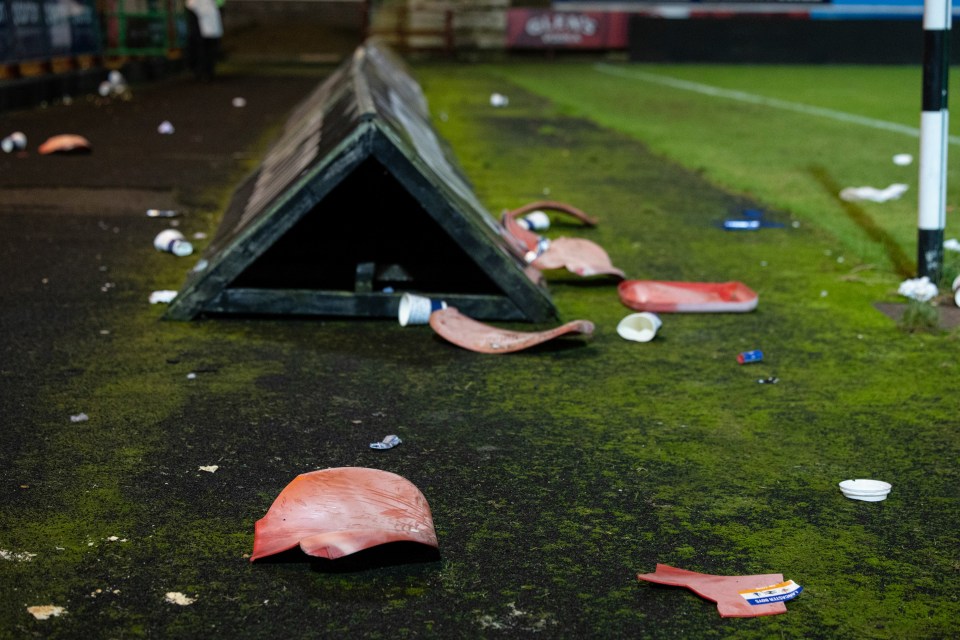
column 552, row 205
column 724, row 590
column 466, row 332
column 335, row 512
column 687, row 297
column 579, row 256
column 65, row 143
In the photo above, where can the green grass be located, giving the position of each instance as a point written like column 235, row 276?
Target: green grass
column 790, row 161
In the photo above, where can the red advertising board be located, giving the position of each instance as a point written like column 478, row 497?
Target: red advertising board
column 543, row 29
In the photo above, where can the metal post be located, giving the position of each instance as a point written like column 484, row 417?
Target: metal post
column 933, row 138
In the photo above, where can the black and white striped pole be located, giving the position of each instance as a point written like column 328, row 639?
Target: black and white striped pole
column 933, row 137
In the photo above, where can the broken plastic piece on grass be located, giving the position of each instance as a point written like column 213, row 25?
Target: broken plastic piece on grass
column 387, row 443
column 770, row 380
column 747, row 357
column 724, row 590
column 165, row 128
column 498, row 100
column 902, row 159
column 951, row 244
column 639, row 327
column 866, row 490
column 163, row 296
column 416, row 309
column 80, row 417
column 920, row 289
column 335, row 512
column 552, row 205
column 687, row 297
column 780, row 592
column 161, row 213
column 741, row 225
column 65, row 143
column 872, row 194
column 535, row 221
column 579, row 256
column 46, row 611
column 466, row 332
column 750, row 220
column 172, row 241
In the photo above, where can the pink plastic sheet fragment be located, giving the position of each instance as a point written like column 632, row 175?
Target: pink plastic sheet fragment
column 687, row 297
column 65, row 143
column 579, row 256
column 724, row 590
column 335, row 512
column 470, row 334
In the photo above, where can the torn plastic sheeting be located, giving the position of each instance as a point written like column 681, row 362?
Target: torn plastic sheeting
column 472, row 335
column 389, row 442
column 65, row 143
column 579, row 256
column 661, row 296
column 336, row 512
column 872, row 194
column 733, row 594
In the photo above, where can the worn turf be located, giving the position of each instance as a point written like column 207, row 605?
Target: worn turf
column 554, row 476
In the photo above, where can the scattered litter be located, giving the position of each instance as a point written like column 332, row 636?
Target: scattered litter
column 65, row 143
column 175, row 597
column 17, row 556
column 163, row 296
column 80, row 417
column 46, row 611
column 416, row 309
column 920, row 289
column 854, row 194
column 866, row 490
column 16, row 141
column 165, row 128
column 687, row 297
column 535, row 221
column 104, row 89
column 902, row 159
column 955, row 287
column 239, row 102
column 466, row 332
column 199, row 235
column 749, row 220
column 951, row 245
column 336, row 512
column 210, row 468
column 172, row 241
column 770, row 380
column 750, row 356
column 498, row 100
column 387, row 443
column 161, row 213
column 639, row 327
column 191, row 376
column 578, row 255
column 736, row 596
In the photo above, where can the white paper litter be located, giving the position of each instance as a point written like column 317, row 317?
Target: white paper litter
column 175, row 597
column 920, row 289
column 872, row 194
column 163, row 296
column 45, row 611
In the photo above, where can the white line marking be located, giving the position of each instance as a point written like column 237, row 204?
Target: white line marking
column 742, row 96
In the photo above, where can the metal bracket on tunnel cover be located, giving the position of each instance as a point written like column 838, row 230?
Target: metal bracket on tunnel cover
column 466, row 332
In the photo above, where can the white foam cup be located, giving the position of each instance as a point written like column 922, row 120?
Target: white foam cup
column 865, row 490
column 416, row 309
column 172, row 241
column 639, row 327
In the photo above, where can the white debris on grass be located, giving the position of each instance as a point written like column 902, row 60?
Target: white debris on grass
column 162, row 296
column 191, row 376
column 872, row 194
column 902, row 159
column 45, row 611
column 210, row 468
column 165, row 128
column 499, row 100
column 17, row 556
column 175, row 597
column 239, row 102
column 920, row 289
column 951, row 245
column 80, row 417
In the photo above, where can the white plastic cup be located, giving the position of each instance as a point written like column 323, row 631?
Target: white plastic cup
column 172, row 241
column 416, row 309
column 535, row 221
column 639, row 327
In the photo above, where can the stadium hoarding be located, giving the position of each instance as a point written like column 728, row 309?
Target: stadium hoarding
column 545, row 29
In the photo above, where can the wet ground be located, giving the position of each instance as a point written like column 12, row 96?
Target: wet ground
column 554, row 476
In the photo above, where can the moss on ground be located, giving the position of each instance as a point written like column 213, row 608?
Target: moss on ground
column 554, row 476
